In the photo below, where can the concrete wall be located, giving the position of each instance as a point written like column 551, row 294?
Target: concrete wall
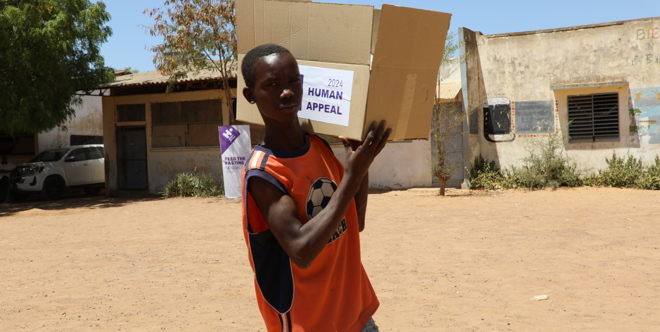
column 544, row 67
column 401, row 165
column 162, row 163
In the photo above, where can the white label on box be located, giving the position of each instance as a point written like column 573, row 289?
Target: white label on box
column 326, row 94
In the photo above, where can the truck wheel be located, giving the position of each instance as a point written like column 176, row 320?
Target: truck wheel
column 53, row 188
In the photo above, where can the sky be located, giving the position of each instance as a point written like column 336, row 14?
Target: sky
column 129, row 45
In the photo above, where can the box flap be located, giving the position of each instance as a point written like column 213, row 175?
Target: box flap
column 405, row 68
column 374, row 30
column 311, row 31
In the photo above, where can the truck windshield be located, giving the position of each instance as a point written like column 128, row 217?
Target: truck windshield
column 50, row 155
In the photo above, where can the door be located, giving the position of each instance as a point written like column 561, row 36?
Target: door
column 132, row 158
column 97, row 163
column 77, row 168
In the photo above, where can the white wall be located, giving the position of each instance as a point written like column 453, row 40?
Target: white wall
column 401, row 165
column 88, row 121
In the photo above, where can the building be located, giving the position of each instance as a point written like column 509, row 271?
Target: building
column 151, row 135
column 596, row 85
column 85, row 127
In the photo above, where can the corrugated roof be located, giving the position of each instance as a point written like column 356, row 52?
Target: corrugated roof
column 448, row 90
column 154, row 77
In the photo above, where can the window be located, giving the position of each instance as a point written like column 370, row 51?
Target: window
column 593, row 118
column 95, row 153
column 497, row 120
column 188, row 123
column 131, row 113
column 17, row 144
column 77, row 155
column 86, row 139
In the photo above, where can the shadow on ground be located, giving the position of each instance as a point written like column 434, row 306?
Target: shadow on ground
column 76, row 198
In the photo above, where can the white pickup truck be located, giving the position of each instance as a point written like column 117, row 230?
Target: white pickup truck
column 52, row 171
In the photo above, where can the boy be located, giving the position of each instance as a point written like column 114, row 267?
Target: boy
column 308, row 271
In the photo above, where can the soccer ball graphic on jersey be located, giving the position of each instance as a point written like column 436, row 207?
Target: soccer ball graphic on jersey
column 319, row 196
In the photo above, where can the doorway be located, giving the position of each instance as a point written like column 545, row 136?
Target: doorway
column 132, row 158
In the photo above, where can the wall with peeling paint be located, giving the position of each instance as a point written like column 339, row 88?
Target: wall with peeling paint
column 88, row 121
column 539, row 69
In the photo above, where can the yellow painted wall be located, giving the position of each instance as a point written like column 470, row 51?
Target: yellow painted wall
column 162, row 163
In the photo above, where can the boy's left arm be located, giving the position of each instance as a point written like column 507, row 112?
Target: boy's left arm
column 361, row 201
column 362, row 194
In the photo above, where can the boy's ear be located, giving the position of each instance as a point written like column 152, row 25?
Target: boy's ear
column 247, row 93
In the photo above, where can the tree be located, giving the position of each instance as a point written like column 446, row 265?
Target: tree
column 49, row 49
column 445, row 121
column 198, row 34
column 131, row 70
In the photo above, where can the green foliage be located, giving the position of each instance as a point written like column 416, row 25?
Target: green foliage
column 485, row 175
column 131, row 70
column 621, row 172
column 629, row 173
column 447, row 117
column 651, row 178
column 451, row 46
column 549, row 169
column 197, row 35
column 193, row 184
column 546, row 167
column 49, row 49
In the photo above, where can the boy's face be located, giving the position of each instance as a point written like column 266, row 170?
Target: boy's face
column 277, row 87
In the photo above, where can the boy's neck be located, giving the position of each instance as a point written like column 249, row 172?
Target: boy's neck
column 284, row 139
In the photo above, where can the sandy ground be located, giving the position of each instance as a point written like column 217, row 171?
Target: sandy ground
column 470, row 261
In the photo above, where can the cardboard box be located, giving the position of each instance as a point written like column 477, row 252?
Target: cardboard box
column 394, row 55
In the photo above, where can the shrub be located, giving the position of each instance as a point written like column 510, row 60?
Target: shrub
column 650, row 180
column 193, row 184
column 621, row 172
column 484, row 174
column 545, row 166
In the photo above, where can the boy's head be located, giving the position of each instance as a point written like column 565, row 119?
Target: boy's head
column 272, row 79
column 250, row 60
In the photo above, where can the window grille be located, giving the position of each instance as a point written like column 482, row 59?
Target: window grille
column 593, row 118
column 130, row 113
column 188, row 123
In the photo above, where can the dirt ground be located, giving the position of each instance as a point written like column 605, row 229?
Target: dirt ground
column 470, row 261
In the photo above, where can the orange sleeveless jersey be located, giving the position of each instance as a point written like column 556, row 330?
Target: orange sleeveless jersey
column 334, row 293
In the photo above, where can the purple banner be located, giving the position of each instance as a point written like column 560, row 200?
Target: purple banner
column 228, row 136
